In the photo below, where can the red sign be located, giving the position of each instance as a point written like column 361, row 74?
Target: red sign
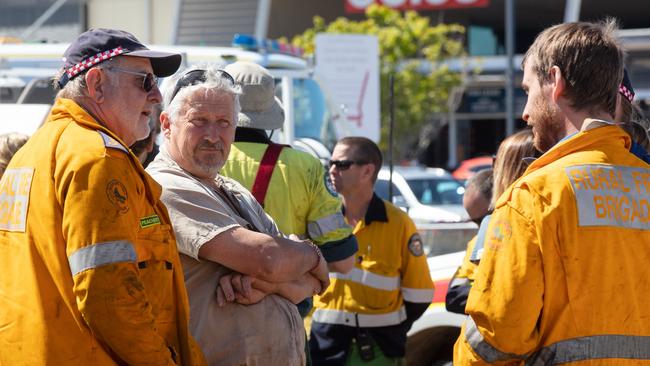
column 359, row 6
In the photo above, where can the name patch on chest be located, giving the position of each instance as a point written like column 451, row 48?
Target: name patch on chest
column 14, row 198
column 610, row 195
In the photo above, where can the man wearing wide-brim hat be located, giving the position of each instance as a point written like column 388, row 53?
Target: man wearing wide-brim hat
column 91, row 274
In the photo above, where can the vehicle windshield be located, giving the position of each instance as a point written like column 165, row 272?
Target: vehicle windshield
column 437, row 191
column 311, row 111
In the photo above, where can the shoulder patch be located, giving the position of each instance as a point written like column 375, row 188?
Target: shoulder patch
column 499, row 235
column 415, row 245
column 112, row 143
column 117, row 195
column 329, row 185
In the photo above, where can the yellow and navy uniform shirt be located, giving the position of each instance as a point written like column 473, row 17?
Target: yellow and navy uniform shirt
column 563, row 277
column 300, row 197
column 90, row 270
column 388, row 289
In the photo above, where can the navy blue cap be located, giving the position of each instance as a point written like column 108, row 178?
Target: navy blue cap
column 99, row 44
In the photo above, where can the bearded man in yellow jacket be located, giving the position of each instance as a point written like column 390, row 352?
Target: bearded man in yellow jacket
column 91, row 273
column 563, row 278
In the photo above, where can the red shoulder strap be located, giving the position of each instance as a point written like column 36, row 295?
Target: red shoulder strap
column 263, row 177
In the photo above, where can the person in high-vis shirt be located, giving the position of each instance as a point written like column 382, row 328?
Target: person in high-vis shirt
column 90, row 270
column 563, row 275
column 512, row 158
column 364, row 315
column 299, row 195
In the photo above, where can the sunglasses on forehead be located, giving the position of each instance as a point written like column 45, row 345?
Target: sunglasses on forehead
column 197, row 76
column 344, row 164
column 148, row 82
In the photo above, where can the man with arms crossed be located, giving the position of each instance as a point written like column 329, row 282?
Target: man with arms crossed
column 220, row 228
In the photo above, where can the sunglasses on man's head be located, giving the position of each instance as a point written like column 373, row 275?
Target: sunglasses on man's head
column 344, row 164
column 148, row 82
column 197, row 76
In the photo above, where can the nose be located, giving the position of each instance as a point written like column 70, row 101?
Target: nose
column 212, row 133
column 525, row 115
column 332, row 169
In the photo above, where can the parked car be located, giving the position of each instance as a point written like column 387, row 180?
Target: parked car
column 472, row 166
column 427, row 194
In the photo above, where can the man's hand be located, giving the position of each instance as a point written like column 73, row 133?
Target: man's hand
column 321, row 273
column 232, row 285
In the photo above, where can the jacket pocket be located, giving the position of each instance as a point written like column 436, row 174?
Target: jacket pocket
column 156, row 269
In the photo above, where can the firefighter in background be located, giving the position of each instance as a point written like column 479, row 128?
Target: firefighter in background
column 364, row 315
column 90, row 270
column 512, row 159
column 291, row 185
column 563, row 275
column 476, row 201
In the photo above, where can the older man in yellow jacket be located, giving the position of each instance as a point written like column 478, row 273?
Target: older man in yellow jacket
column 564, row 274
column 90, row 270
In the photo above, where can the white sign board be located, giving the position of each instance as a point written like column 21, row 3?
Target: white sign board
column 347, row 65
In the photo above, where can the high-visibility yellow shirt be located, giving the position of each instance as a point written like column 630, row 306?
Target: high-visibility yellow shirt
column 300, row 198
column 90, row 270
column 564, row 275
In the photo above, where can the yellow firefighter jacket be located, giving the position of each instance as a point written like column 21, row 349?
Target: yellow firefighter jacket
column 564, row 276
column 90, row 269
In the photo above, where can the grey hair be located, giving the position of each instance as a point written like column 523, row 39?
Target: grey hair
column 214, row 81
column 77, row 88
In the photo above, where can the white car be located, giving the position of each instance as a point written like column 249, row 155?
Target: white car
column 427, row 194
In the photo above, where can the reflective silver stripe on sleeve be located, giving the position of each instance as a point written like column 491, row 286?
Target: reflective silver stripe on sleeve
column 482, row 348
column 417, row 294
column 330, row 316
column 100, row 254
column 325, row 224
column 369, row 279
column 593, row 347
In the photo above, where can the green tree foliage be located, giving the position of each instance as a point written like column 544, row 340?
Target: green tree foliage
column 411, row 49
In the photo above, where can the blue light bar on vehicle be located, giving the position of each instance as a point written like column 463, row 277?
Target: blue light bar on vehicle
column 249, row 42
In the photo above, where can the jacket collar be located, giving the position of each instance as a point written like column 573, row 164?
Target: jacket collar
column 243, row 134
column 376, row 210
column 68, row 108
column 593, row 133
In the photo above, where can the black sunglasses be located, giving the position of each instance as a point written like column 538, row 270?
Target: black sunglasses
column 344, row 164
column 148, row 82
column 197, row 76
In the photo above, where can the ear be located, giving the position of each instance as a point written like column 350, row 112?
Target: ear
column 368, row 171
column 558, row 83
column 165, row 124
column 97, row 85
